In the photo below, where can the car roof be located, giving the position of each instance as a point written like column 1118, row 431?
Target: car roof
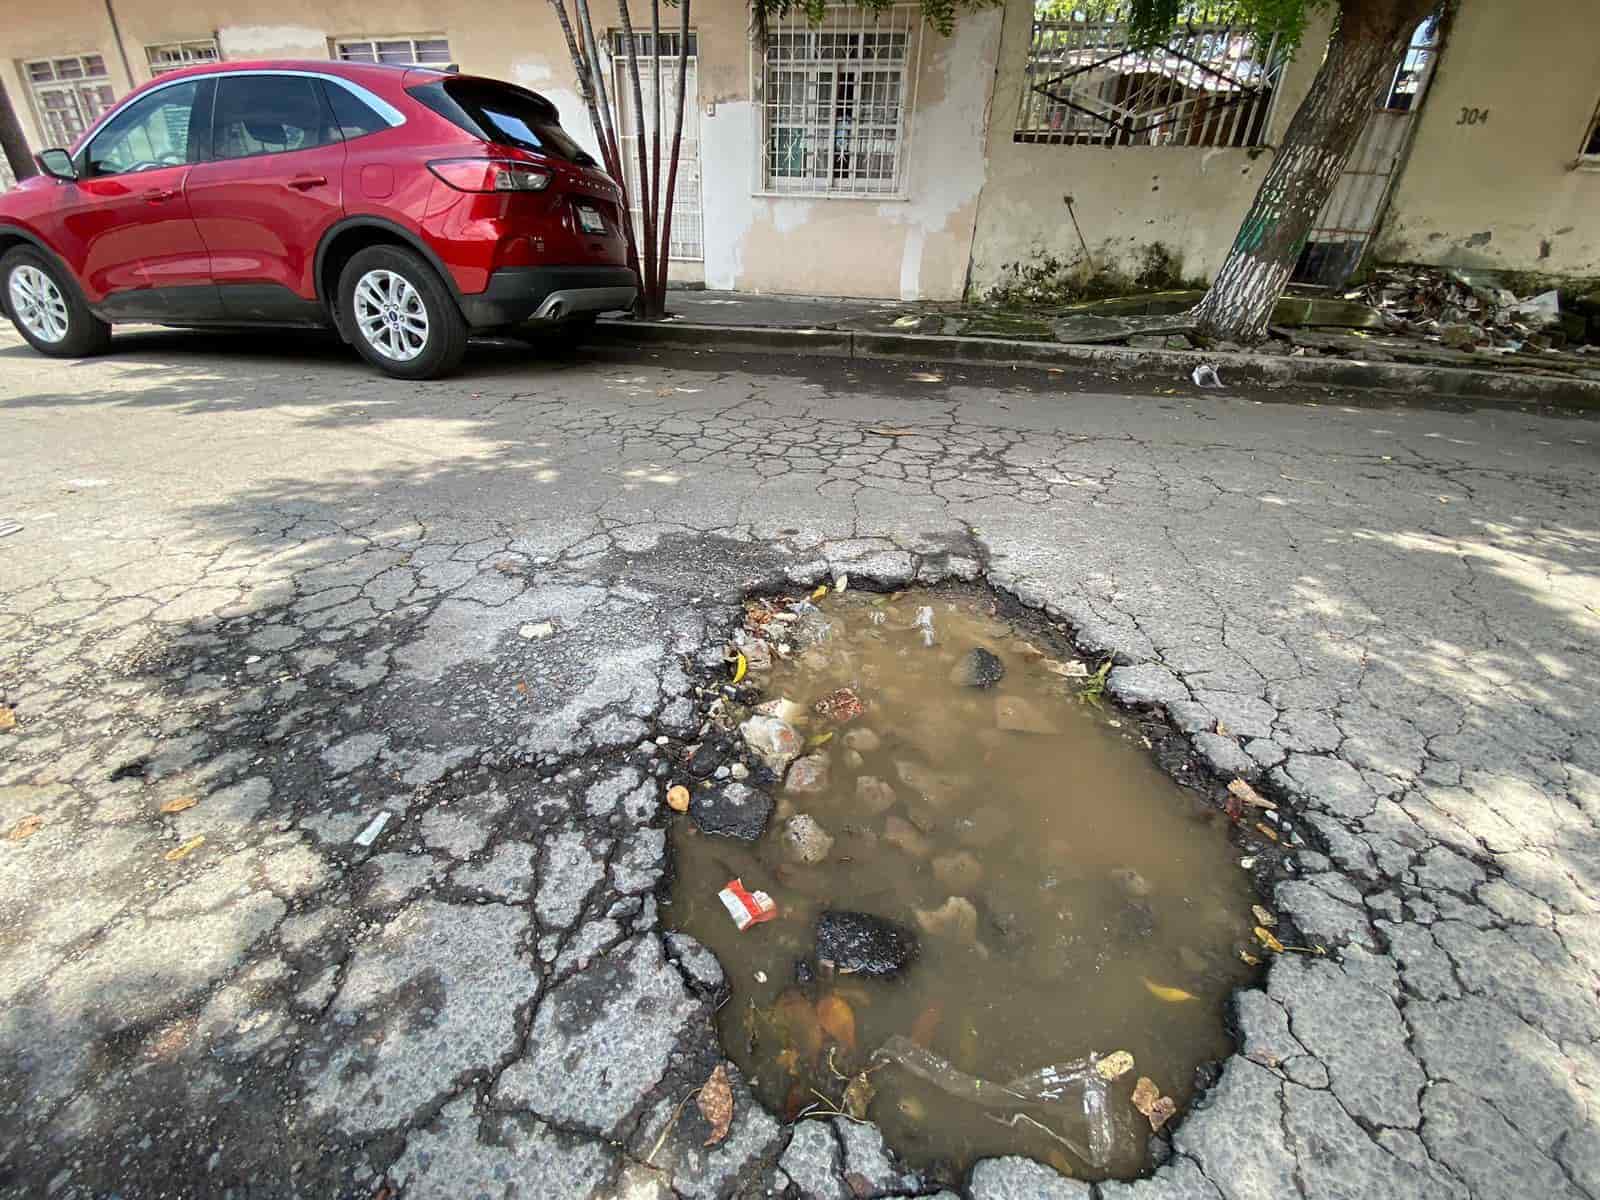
column 322, row 66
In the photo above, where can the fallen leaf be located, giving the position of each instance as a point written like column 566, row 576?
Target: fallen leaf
column 1222, row 729
column 1249, row 959
column 838, row 1020
column 1249, row 795
column 885, row 431
column 1263, row 917
column 789, row 1060
column 179, row 853
column 797, row 1018
column 819, row 739
column 8, row 717
column 1171, row 995
column 716, row 1104
column 179, row 804
column 25, row 828
column 1264, row 936
column 927, row 1024
column 1147, row 1098
column 858, row 1096
column 1114, row 1065
column 678, row 798
column 1266, row 831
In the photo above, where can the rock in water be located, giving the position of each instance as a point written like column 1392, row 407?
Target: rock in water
column 978, row 669
column 873, row 795
column 859, row 944
column 734, row 810
column 1016, row 715
column 959, row 871
column 864, row 740
column 773, row 741
column 808, row 774
column 806, row 840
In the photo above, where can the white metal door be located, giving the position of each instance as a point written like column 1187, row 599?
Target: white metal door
column 688, row 242
column 1350, row 217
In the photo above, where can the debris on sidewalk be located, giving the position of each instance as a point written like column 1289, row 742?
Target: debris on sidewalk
column 747, row 908
column 716, row 1104
column 25, row 828
column 536, row 630
column 1205, row 375
column 179, row 853
column 374, row 827
column 179, row 804
column 678, row 798
column 8, row 527
column 8, row 718
column 1157, row 1109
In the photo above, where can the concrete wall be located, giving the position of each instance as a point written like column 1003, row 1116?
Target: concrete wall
column 1492, row 179
column 1190, row 199
column 874, row 248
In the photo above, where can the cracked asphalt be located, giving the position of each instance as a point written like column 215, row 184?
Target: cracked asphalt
column 304, row 596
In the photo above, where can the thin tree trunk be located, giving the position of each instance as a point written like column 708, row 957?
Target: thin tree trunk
column 1371, row 36
column 656, row 305
column 648, row 243
column 589, row 66
column 677, row 148
column 581, row 68
column 12, row 143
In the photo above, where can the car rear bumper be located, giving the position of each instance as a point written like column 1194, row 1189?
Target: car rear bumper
column 517, row 294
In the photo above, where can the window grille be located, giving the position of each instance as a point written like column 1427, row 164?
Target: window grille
column 69, row 95
column 426, row 51
column 1212, row 84
column 688, row 242
column 836, row 101
column 174, row 55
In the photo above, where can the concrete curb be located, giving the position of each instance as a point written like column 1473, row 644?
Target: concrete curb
column 1235, row 369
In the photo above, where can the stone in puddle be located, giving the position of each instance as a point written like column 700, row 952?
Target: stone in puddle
column 873, row 795
column 773, row 741
column 864, row 740
column 984, row 827
column 959, row 871
column 808, row 774
column 1016, row 715
column 937, row 786
column 1131, row 882
column 902, row 834
column 805, row 840
column 784, row 709
column 734, row 810
column 978, row 668
column 956, row 919
column 860, row 944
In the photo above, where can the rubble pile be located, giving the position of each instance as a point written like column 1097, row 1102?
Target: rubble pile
column 1466, row 312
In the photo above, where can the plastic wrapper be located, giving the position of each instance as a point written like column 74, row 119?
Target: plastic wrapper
column 1069, row 1101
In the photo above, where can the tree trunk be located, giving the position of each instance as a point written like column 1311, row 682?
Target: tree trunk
column 677, row 147
column 12, row 143
column 647, row 246
column 1369, row 40
column 655, row 306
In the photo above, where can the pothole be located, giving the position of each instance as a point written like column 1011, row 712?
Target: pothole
column 988, row 896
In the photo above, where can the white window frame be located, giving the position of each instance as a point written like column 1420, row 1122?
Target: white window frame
column 376, row 44
column 90, row 94
column 163, row 57
column 796, row 47
column 688, row 216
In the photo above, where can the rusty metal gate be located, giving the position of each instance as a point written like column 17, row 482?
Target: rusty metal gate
column 1348, row 220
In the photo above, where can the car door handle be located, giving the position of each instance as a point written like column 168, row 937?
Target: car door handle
column 307, row 182
column 157, row 195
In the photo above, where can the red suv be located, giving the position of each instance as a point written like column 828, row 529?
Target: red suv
column 403, row 207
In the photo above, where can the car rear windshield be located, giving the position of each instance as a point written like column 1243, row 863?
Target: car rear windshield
column 498, row 112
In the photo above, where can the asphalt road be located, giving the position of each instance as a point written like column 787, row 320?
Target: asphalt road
column 253, row 573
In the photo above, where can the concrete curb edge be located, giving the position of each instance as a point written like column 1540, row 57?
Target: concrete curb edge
column 1247, row 369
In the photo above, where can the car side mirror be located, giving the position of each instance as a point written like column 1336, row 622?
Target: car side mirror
column 57, row 164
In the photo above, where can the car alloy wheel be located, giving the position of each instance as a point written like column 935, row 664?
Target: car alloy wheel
column 38, row 304
column 391, row 315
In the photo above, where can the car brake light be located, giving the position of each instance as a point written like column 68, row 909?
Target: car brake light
column 490, row 175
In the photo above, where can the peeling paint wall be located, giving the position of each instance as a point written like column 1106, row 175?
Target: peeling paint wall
column 1492, row 180
column 1190, row 199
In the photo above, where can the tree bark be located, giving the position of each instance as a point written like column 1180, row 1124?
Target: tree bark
column 655, row 306
column 1369, row 40
column 12, row 143
column 648, row 241
column 677, row 147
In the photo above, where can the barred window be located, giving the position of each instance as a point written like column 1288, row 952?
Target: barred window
column 835, row 118
column 1212, row 84
column 425, row 51
column 69, row 94
column 173, row 55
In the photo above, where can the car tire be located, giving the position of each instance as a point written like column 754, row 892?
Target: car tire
column 399, row 314
column 47, row 307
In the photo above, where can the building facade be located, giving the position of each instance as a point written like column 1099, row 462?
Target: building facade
column 874, row 157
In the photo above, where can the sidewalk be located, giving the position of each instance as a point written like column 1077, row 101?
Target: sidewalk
column 925, row 332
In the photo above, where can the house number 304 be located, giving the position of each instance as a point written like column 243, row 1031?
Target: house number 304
column 1473, row 116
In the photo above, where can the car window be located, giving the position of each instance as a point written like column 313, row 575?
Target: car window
column 151, row 132
column 499, row 112
column 353, row 116
column 269, row 114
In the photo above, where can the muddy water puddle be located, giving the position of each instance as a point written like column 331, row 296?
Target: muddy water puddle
column 1047, row 896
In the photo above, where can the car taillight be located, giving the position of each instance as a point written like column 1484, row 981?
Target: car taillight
column 490, row 175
